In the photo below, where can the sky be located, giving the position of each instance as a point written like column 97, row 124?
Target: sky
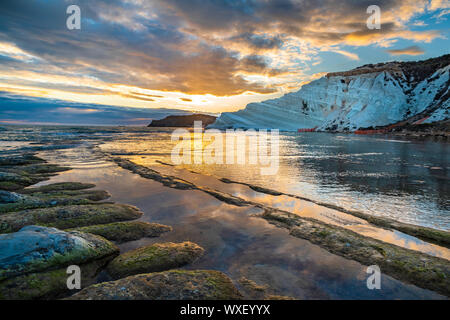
column 197, row 55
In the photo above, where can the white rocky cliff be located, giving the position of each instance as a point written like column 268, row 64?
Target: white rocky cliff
column 369, row 96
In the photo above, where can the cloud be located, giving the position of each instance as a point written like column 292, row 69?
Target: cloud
column 26, row 110
column 439, row 4
column 411, row 51
column 196, row 47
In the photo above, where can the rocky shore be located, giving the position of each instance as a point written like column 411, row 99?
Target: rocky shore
column 411, row 266
column 46, row 229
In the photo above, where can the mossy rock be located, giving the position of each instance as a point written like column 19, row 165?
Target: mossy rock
column 66, row 217
column 121, row 232
column 14, row 180
column 21, row 160
column 37, row 169
column 154, row 258
column 7, row 197
column 53, row 199
column 49, row 284
column 439, row 237
column 17, row 177
column 92, row 195
column 170, row 285
column 411, row 266
column 37, row 249
column 62, row 186
column 10, row 186
column 251, row 290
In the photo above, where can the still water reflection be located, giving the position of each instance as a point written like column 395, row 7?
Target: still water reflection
column 406, row 180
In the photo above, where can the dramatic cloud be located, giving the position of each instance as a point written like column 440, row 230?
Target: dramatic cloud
column 166, row 52
column 16, row 109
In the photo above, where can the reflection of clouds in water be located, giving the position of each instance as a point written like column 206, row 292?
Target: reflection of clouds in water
column 237, row 243
column 302, row 208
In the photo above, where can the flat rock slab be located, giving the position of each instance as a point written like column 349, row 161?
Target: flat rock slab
column 20, row 160
column 7, row 197
column 61, row 186
column 154, row 258
column 49, row 285
column 11, row 202
column 92, row 195
column 121, row 232
column 36, row 249
column 67, row 217
column 418, row 268
column 170, row 285
column 18, row 173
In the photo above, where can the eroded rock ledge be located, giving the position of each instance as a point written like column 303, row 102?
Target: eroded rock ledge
column 154, row 258
column 439, row 237
column 34, row 257
column 407, row 265
column 33, row 261
column 171, row 285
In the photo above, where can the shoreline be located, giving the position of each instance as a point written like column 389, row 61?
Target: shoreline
column 408, row 266
column 67, row 224
column 433, row 235
column 412, row 266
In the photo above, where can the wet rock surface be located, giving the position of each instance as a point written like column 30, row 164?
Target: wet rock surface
column 11, row 197
column 39, row 270
column 35, row 249
column 154, row 258
column 19, row 172
column 439, row 237
column 171, row 285
column 34, row 255
column 49, row 285
column 53, row 199
column 62, row 186
column 71, row 216
column 121, row 232
column 407, row 265
column 34, row 261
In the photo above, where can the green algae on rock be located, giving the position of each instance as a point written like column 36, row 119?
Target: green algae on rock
column 121, row 232
column 177, row 183
column 251, row 290
column 43, row 168
column 18, row 172
column 154, row 258
column 92, row 195
column 61, row 186
column 20, row 160
column 170, row 285
column 420, row 269
column 67, row 217
column 17, row 178
column 50, row 284
column 11, row 181
column 37, row 249
column 52, row 199
column 439, row 237
column 11, row 197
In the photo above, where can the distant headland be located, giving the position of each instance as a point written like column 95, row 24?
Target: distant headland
column 183, row 121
